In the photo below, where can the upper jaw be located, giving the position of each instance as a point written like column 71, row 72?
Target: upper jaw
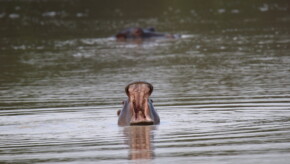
column 150, row 86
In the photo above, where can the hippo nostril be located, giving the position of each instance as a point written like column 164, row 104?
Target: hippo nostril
column 143, row 114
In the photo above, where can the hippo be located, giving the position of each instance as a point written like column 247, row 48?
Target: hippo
column 138, row 108
column 141, row 33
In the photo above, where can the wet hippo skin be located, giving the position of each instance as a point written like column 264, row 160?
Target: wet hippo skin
column 141, row 33
column 138, row 108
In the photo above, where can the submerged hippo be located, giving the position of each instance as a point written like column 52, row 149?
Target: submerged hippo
column 142, row 33
column 138, row 108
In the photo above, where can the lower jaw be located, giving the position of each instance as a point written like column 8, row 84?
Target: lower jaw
column 142, row 123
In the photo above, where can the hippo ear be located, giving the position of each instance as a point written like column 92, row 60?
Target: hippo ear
column 118, row 112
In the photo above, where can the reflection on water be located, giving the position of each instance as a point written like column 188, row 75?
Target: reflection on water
column 139, row 139
column 222, row 90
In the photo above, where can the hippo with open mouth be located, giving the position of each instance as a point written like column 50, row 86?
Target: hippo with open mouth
column 142, row 33
column 138, row 108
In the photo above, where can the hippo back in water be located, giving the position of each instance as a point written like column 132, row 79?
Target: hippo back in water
column 142, row 33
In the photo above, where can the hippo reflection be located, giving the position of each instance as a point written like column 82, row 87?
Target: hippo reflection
column 142, row 33
column 140, row 142
column 138, row 108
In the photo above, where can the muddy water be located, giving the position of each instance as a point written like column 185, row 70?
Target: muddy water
column 221, row 90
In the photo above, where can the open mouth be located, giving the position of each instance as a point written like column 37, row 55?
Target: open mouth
column 138, row 93
column 140, row 114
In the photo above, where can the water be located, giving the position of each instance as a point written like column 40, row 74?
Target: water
column 222, row 90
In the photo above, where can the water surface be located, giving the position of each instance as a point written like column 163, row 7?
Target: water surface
column 221, row 90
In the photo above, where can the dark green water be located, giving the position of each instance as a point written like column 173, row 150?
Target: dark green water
column 221, row 90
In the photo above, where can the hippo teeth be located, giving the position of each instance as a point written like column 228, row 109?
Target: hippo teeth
column 139, row 114
column 139, row 118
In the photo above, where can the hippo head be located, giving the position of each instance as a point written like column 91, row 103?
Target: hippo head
column 130, row 33
column 138, row 108
column 140, row 33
